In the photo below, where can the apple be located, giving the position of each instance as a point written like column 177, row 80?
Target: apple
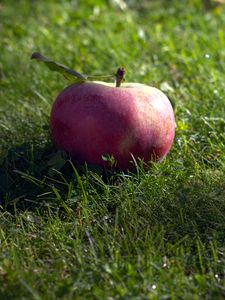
column 92, row 120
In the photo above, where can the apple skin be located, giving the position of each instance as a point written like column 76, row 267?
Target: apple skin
column 92, row 119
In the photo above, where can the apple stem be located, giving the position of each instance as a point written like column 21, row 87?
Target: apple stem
column 120, row 75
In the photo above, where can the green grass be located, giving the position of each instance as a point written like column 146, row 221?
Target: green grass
column 74, row 233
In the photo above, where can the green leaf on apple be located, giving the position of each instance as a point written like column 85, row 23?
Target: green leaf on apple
column 69, row 74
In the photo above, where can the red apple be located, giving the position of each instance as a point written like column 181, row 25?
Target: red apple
column 92, row 119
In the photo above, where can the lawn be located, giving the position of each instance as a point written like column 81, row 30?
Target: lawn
column 69, row 232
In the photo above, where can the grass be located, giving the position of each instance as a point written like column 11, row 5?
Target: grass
column 74, row 233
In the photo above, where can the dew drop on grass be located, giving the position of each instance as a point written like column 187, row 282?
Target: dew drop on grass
column 141, row 34
column 96, row 11
column 30, row 218
column 121, row 4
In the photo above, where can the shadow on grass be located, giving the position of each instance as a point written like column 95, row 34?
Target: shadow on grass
column 32, row 176
column 29, row 171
